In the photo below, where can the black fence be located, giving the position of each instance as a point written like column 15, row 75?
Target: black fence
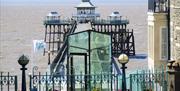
column 81, row 82
column 8, row 82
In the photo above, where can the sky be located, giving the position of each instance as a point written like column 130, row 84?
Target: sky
column 66, row 2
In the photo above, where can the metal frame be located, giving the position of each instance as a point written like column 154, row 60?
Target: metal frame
column 70, row 68
column 122, row 39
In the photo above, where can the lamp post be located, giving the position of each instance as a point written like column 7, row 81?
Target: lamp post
column 23, row 61
column 123, row 59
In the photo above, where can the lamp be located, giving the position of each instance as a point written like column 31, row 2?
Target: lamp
column 123, row 59
column 23, row 61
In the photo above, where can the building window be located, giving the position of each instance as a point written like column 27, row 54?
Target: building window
column 150, row 40
column 164, row 44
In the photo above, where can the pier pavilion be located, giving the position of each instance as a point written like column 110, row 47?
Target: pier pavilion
column 85, row 12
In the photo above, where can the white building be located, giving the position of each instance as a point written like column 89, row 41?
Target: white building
column 53, row 16
column 158, row 49
column 114, row 16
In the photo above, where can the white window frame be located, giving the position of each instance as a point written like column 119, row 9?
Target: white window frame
column 164, row 46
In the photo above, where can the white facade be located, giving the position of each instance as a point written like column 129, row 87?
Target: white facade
column 115, row 16
column 157, row 40
column 53, row 16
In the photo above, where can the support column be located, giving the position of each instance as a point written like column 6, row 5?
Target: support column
column 174, row 76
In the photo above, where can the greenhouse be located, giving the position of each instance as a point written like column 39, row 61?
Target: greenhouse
column 96, row 45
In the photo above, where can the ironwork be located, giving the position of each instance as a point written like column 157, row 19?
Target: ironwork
column 62, row 52
column 148, row 81
column 122, row 38
column 55, row 33
column 99, row 82
column 8, row 82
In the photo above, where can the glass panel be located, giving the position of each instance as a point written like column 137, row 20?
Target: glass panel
column 79, row 64
column 78, row 43
column 100, row 56
column 100, row 53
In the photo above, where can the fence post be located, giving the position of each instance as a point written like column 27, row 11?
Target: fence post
column 39, row 81
column 117, row 82
column 30, row 82
column 8, row 81
column 101, row 81
column 137, row 80
column 16, row 83
column 1, row 82
column 130, row 82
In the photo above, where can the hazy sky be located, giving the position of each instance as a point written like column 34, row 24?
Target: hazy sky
column 71, row 1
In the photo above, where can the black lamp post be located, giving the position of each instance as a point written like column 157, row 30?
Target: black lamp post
column 123, row 59
column 23, row 61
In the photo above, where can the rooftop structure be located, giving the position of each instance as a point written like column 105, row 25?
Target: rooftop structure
column 55, row 18
column 115, row 16
column 85, row 12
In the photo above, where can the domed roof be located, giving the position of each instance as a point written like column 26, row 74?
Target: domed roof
column 53, row 14
column 113, row 14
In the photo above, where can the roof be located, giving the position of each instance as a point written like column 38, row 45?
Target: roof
column 53, row 14
column 85, row 4
column 113, row 14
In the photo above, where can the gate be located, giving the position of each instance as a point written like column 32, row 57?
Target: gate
column 148, row 81
column 8, row 82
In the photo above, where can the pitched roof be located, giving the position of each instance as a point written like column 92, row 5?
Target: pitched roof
column 85, row 4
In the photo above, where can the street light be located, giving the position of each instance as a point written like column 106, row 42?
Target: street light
column 123, row 59
column 23, row 61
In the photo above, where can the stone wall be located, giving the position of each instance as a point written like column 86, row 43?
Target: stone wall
column 175, row 29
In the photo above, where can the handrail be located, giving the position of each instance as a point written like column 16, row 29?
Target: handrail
column 63, row 51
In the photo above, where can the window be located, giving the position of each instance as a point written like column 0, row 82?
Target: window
column 164, row 44
column 150, row 40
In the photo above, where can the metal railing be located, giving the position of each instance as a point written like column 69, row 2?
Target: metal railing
column 148, row 81
column 158, row 6
column 95, row 82
column 57, row 21
column 102, row 21
column 8, row 82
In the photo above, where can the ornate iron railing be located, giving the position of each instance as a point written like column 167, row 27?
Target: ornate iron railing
column 8, row 82
column 102, row 82
column 148, row 81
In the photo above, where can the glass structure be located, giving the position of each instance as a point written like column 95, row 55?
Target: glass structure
column 98, row 48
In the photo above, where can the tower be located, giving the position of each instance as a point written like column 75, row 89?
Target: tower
column 85, row 12
column 158, row 33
